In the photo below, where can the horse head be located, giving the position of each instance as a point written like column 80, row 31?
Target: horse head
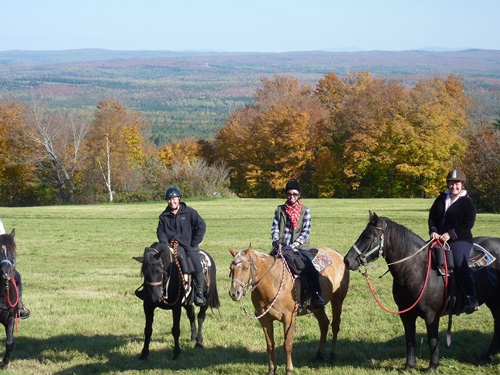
column 153, row 269
column 242, row 272
column 7, row 255
column 369, row 246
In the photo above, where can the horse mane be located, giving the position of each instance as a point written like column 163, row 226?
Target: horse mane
column 8, row 241
column 401, row 236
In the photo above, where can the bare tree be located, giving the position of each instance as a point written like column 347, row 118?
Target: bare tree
column 60, row 137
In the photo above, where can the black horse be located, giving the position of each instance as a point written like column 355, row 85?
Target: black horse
column 165, row 287
column 9, row 296
column 418, row 290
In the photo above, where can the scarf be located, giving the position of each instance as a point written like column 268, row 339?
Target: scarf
column 448, row 202
column 293, row 212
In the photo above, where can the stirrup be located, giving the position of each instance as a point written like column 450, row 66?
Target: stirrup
column 200, row 300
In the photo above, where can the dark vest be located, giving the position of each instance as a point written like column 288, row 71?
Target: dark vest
column 296, row 232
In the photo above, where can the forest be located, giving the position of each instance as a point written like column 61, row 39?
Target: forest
column 95, row 125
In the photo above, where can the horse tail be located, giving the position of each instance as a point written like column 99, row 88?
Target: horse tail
column 213, row 298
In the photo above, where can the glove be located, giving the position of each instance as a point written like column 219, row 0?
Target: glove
column 276, row 244
column 288, row 248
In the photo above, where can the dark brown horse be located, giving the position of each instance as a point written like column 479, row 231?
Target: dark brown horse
column 164, row 288
column 418, row 290
column 275, row 296
column 9, row 296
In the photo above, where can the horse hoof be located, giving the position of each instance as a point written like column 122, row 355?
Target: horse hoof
column 320, row 357
column 199, row 345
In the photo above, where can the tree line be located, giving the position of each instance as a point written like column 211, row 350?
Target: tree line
column 348, row 136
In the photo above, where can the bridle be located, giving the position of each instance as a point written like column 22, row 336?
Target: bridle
column 362, row 257
column 8, row 279
column 251, row 284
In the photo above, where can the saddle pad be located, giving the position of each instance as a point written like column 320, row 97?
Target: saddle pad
column 480, row 257
column 320, row 260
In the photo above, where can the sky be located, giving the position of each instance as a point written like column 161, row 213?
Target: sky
column 249, row 25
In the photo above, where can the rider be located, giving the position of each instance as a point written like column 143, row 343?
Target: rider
column 451, row 219
column 291, row 228
column 183, row 224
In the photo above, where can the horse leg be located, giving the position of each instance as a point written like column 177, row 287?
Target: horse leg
column 289, row 328
column 149, row 312
column 9, row 345
column 410, row 330
column 323, row 323
column 190, row 312
column 433, row 342
column 336, row 313
column 495, row 341
column 201, row 319
column 268, row 328
column 176, row 330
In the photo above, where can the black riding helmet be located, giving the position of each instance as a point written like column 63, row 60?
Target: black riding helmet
column 172, row 192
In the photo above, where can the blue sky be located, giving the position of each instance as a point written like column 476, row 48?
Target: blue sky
column 249, row 25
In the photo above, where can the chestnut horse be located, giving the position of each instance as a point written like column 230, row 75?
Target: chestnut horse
column 275, row 296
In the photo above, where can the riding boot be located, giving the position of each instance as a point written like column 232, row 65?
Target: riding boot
column 22, row 310
column 199, row 285
column 317, row 299
column 471, row 304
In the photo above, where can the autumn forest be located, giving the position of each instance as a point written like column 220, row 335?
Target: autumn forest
column 99, row 126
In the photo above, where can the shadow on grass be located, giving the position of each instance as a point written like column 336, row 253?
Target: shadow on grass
column 468, row 347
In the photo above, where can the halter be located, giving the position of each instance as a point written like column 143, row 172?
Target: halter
column 250, row 283
column 362, row 257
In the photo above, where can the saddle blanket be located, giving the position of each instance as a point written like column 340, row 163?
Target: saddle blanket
column 319, row 260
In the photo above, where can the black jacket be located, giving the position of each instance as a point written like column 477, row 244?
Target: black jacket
column 187, row 227
column 457, row 221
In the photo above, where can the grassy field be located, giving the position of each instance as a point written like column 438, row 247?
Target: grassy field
column 79, row 281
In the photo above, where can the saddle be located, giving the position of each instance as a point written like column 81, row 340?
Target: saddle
column 187, row 269
column 479, row 259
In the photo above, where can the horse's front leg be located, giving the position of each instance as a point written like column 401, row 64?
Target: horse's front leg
column 176, row 330
column 289, row 329
column 9, row 343
column 268, row 328
column 409, row 320
column 149, row 312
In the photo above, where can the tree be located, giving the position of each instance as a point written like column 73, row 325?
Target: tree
column 17, row 173
column 116, row 148
column 270, row 141
column 60, row 137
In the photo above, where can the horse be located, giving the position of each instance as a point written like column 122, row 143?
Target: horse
column 419, row 290
column 274, row 292
column 165, row 288
column 9, row 295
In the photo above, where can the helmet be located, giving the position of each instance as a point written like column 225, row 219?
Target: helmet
column 172, row 192
column 292, row 185
column 456, row 175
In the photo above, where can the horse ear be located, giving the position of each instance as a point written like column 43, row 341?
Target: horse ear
column 231, row 251
column 13, row 233
column 249, row 248
column 139, row 259
column 373, row 217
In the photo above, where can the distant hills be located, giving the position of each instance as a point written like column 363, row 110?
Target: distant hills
column 190, row 93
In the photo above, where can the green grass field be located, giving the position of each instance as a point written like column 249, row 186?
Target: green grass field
column 79, row 280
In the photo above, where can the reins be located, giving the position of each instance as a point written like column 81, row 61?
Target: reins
column 426, row 280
